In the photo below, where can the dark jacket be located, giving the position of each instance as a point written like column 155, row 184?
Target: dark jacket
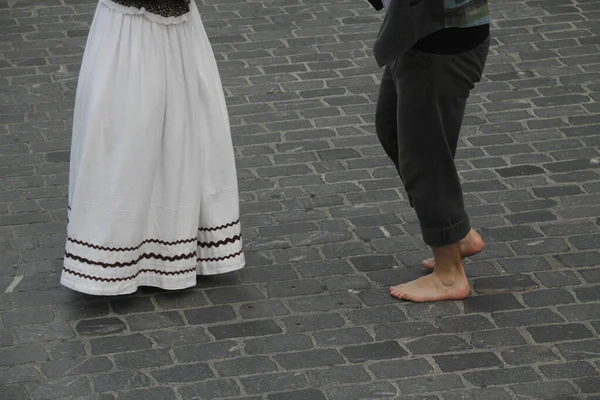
column 405, row 22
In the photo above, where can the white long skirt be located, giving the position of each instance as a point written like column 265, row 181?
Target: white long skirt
column 153, row 197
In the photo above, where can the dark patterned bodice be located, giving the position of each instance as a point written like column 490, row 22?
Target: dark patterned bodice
column 164, row 8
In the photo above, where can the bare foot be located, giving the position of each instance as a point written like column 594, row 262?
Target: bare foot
column 434, row 287
column 469, row 246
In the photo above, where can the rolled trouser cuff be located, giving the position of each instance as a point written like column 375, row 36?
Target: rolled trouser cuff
column 436, row 237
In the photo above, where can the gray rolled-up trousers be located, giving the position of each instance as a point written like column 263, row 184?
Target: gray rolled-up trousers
column 420, row 110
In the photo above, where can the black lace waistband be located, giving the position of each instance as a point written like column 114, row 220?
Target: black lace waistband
column 164, row 8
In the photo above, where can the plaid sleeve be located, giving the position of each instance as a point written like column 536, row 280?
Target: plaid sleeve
column 466, row 13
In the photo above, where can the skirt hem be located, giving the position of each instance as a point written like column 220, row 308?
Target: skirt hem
column 161, row 284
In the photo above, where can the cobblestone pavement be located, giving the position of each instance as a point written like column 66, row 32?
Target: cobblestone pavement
column 326, row 225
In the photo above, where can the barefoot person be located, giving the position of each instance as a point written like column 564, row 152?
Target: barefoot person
column 434, row 52
column 153, row 196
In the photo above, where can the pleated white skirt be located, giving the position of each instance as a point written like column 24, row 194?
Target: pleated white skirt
column 153, row 196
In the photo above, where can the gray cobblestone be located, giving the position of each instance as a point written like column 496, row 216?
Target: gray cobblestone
column 327, row 227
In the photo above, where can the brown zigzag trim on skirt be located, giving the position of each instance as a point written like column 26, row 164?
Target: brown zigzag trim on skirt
column 147, row 256
column 220, row 242
column 239, row 253
column 217, row 228
column 157, row 241
column 128, row 278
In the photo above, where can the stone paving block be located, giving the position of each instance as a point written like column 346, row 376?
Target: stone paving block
column 183, row 373
column 395, row 369
column 118, row 344
column 503, row 376
column 324, row 303
column 180, row 337
column 153, row 321
column 17, row 392
column 28, row 316
column 154, row 393
column 436, row 344
column 431, row 311
column 129, row 305
column 491, row 303
column 82, row 366
column 568, row 370
column 69, row 349
column 100, row 327
column 463, row 324
column 476, row 394
column 526, row 317
column 596, row 325
column 555, row 389
column 372, row 262
column 391, row 277
column 374, row 351
column 580, row 259
column 363, row 391
column 306, row 394
column 404, row 330
column 558, row 278
column 435, row 383
column 580, row 312
column 44, row 332
column 83, row 311
column 180, row 300
column 591, row 275
column 587, row 294
column 22, row 354
column 580, row 350
column 346, row 284
column 507, row 283
column 245, row 329
column 121, row 380
column 553, row 333
column 18, row 374
column 548, row 297
column 246, row 366
column 222, row 388
column 143, row 359
column 309, row 359
column 528, row 355
column 337, row 375
column 341, row 337
column 207, row 315
column 268, row 274
column 462, row 362
column 207, row 351
column 278, row 344
column 274, row 382
column 509, row 233
column 313, row 322
column 62, row 387
column 294, row 288
column 497, row 338
column 263, row 309
column 589, row 385
column 325, row 268
column 375, row 315
column 234, row 294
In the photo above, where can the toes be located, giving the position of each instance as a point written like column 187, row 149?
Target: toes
column 396, row 291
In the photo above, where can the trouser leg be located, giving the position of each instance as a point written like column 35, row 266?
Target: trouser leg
column 386, row 121
column 431, row 94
